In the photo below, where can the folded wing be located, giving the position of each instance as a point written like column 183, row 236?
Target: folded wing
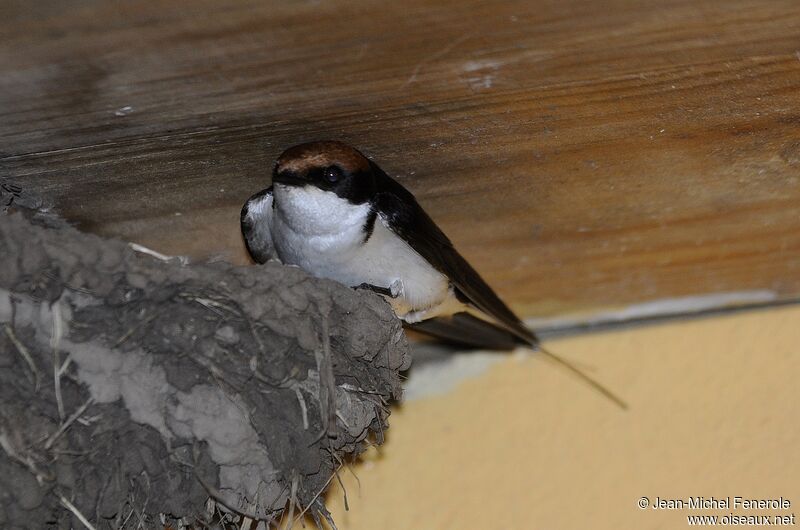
column 256, row 223
column 398, row 207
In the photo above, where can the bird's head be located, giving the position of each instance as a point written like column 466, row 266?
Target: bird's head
column 323, row 188
column 328, row 165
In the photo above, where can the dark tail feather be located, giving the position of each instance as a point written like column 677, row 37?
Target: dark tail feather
column 594, row 383
column 467, row 330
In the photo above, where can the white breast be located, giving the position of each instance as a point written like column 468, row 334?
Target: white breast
column 324, row 234
column 316, row 229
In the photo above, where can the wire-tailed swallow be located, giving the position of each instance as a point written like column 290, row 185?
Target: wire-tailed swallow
column 336, row 214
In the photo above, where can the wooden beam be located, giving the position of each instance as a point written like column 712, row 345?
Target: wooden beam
column 583, row 155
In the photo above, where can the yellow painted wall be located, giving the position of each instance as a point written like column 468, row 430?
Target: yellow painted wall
column 714, row 411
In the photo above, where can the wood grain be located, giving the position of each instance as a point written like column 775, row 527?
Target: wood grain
column 582, row 154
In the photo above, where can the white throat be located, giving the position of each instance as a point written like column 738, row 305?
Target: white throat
column 316, row 229
column 310, row 211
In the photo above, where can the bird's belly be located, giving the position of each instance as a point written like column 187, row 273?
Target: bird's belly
column 383, row 260
column 387, row 261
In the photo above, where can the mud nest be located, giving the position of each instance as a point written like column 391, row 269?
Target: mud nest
column 140, row 393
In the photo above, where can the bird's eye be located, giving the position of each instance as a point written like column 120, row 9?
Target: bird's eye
column 333, row 174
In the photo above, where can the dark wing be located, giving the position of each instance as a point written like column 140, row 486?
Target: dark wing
column 468, row 330
column 256, row 221
column 406, row 218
